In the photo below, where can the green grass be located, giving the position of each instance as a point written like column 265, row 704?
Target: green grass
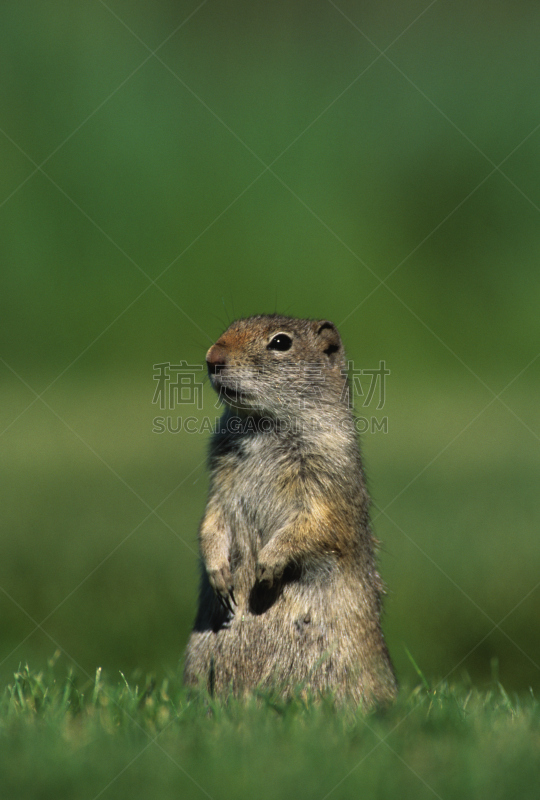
column 63, row 736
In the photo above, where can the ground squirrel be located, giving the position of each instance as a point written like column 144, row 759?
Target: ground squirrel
column 290, row 593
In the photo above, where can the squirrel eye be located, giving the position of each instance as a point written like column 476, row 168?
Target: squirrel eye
column 280, row 342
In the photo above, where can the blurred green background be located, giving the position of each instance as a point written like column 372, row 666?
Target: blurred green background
column 168, row 167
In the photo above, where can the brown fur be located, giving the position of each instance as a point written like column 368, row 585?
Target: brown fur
column 290, row 594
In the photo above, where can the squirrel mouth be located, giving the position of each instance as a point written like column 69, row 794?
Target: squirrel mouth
column 233, row 394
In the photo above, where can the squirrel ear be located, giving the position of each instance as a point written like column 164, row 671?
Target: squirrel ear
column 329, row 337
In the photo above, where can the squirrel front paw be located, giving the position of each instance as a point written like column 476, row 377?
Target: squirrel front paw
column 221, row 581
column 269, row 567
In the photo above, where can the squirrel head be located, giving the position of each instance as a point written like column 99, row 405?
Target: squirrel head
column 281, row 366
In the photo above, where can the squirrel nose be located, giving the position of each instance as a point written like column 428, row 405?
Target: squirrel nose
column 216, row 359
